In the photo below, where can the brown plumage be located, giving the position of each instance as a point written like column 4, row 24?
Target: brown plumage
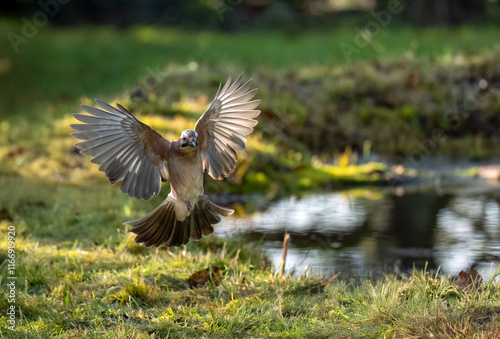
column 126, row 149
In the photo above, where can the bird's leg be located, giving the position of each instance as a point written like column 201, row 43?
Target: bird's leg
column 188, row 205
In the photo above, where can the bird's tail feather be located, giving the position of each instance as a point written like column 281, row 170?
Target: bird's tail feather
column 161, row 226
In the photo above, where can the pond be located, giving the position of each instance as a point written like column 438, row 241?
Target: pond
column 364, row 233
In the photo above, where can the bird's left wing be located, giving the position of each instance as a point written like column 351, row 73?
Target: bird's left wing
column 223, row 127
column 124, row 147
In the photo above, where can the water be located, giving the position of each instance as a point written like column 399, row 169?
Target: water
column 371, row 231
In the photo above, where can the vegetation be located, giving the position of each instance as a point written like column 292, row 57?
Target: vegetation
column 81, row 275
column 318, row 109
column 124, row 290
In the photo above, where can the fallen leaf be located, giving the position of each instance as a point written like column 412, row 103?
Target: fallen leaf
column 200, row 278
column 467, row 279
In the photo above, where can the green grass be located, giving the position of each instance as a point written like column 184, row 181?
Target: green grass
column 81, row 275
column 124, row 290
column 58, row 66
column 61, row 67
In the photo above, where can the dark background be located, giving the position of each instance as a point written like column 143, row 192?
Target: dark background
column 248, row 13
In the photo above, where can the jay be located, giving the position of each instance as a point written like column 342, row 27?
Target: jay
column 129, row 150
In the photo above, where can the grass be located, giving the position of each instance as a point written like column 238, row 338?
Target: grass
column 80, row 273
column 407, row 86
column 71, row 63
column 124, row 290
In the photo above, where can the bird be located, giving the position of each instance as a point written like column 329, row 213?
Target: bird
column 127, row 149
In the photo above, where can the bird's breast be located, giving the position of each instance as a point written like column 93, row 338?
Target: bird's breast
column 186, row 177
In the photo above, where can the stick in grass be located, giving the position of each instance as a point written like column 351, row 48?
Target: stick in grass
column 283, row 259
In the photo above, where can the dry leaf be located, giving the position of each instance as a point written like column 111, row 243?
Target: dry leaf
column 466, row 279
column 200, row 278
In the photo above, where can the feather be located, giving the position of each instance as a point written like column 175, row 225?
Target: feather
column 231, row 88
column 110, row 108
column 143, row 224
column 227, row 153
column 240, row 106
column 101, row 147
column 195, row 229
column 211, row 217
column 94, row 127
column 238, row 121
column 240, row 91
column 90, row 119
column 154, row 233
column 236, row 128
column 100, row 113
column 124, row 148
column 220, row 210
column 126, row 182
column 242, row 98
column 117, row 158
column 168, row 223
column 148, row 178
column 98, row 140
column 95, row 134
column 226, row 86
column 172, row 237
column 235, row 143
column 228, row 134
column 120, row 165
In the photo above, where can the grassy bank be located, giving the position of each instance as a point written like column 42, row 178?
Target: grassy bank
column 124, row 290
column 418, row 95
column 318, row 119
column 58, row 66
column 81, row 275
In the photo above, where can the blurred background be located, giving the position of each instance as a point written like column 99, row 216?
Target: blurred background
column 248, row 14
column 378, row 144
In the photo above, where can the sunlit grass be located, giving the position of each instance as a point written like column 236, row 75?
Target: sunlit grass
column 81, row 274
column 116, row 290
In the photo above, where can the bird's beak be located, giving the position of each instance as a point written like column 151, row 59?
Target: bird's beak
column 194, row 144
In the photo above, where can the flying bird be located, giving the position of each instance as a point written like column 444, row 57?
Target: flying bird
column 129, row 150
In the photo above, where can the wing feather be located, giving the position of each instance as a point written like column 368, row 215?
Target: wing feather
column 124, row 148
column 242, row 98
column 222, row 129
column 234, row 143
column 240, row 91
column 241, row 106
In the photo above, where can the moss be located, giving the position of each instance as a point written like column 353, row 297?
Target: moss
column 137, row 290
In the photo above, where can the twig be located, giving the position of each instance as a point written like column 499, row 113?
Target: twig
column 223, row 252
column 283, row 259
column 329, row 280
column 315, row 288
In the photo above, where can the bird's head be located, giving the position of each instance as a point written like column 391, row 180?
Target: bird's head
column 188, row 139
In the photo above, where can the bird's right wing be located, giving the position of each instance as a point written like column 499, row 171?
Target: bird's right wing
column 222, row 129
column 124, row 147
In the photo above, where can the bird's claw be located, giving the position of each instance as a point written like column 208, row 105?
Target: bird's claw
column 188, row 205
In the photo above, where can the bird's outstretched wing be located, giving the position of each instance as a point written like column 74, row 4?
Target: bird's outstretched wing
column 124, row 147
column 223, row 127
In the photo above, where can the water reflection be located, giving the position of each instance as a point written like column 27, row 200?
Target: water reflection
column 368, row 232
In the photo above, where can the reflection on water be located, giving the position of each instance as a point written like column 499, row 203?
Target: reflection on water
column 368, row 232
